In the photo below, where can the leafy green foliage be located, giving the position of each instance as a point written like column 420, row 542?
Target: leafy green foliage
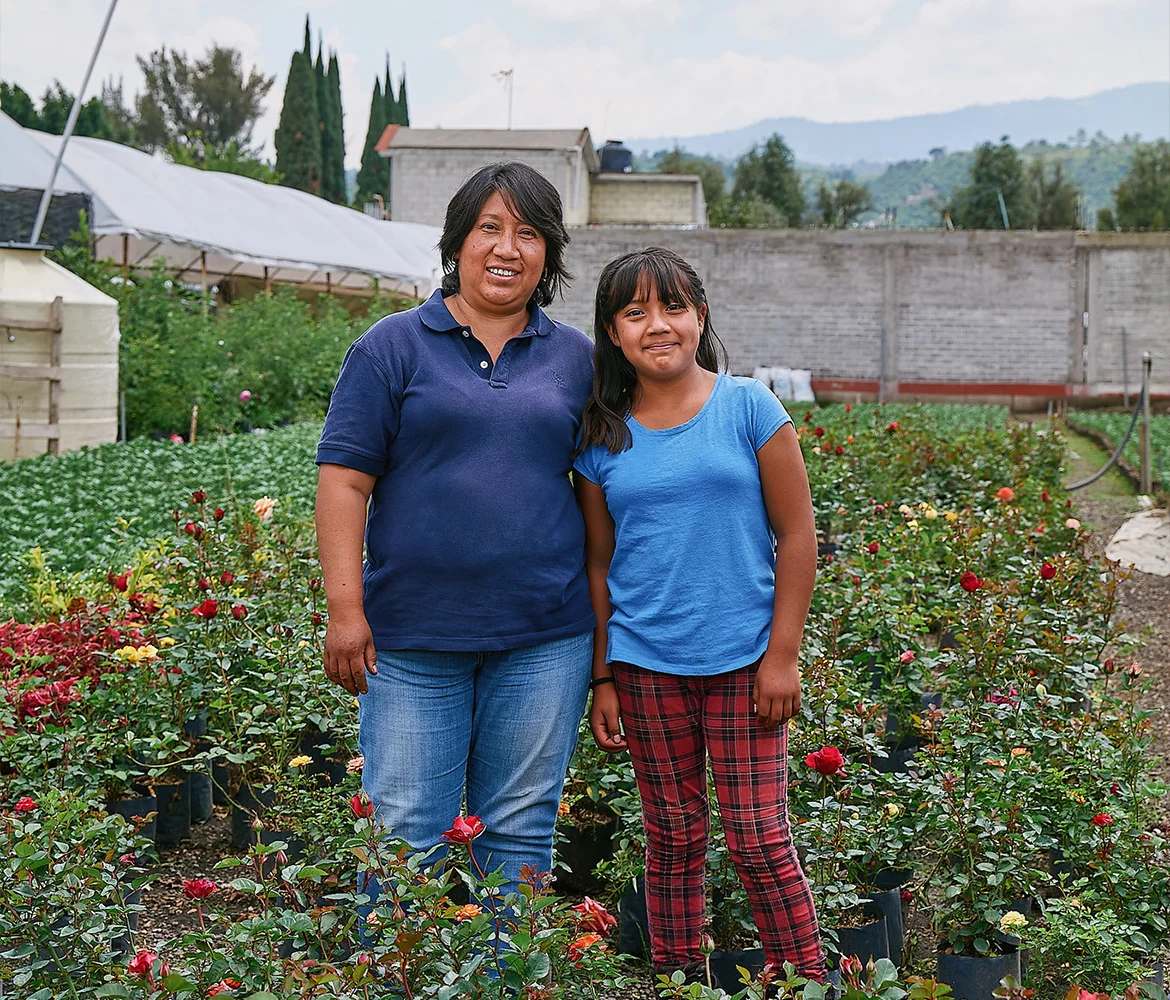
column 710, row 171
column 1057, row 199
column 839, row 207
column 1143, row 197
column 1114, row 426
column 769, row 175
column 332, row 133
column 997, row 172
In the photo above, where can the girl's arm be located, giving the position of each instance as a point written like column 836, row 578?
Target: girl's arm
column 342, row 495
column 605, row 714
column 789, row 505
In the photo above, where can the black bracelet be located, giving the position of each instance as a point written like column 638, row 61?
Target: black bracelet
column 600, row 680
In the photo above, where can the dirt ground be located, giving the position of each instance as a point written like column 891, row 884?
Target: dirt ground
column 1144, row 608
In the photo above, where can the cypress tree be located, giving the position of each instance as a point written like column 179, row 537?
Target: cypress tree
column 337, row 128
column 388, row 97
column 298, row 137
column 403, row 110
column 325, row 112
column 369, row 176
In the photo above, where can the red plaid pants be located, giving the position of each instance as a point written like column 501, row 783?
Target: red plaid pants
column 673, row 724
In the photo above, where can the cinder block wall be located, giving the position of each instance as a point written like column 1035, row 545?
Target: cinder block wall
column 422, row 181
column 990, row 313
column 644, row 199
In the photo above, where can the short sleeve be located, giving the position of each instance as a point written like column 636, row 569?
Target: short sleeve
column 363, row 416
column 767, row 414
column 586, row 464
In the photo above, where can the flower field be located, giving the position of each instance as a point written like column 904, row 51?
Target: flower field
column 970, row 778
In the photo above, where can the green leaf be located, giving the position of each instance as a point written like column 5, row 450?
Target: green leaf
column 175, row 982
column 112, row 990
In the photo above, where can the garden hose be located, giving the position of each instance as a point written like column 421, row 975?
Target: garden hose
column 1117, row 451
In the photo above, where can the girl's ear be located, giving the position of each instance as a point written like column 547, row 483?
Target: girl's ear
column 702, row 315
column 612, row 334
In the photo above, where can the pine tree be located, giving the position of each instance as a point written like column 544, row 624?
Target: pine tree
column 337, row 138
column 388, row 98
column 369, row 178
column 330, row 183
column 403, row 110
column 298, row 137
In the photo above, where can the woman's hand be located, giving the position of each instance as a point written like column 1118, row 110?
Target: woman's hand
column 776, row 693
column 605, row 719
column 349, row 652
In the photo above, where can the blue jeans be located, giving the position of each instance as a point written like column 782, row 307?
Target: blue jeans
column 499, row 726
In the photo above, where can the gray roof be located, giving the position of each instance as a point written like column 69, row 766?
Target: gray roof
column 494, row 138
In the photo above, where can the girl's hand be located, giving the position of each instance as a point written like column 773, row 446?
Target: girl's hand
column 776, row 693
column 605, row 719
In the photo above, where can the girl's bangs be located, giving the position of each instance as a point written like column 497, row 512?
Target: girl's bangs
column 640, row 275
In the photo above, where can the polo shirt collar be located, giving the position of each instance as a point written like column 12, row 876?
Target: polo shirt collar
column 436, row 316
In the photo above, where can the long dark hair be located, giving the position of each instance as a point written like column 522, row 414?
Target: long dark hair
column 530, row 197
column 614, row 378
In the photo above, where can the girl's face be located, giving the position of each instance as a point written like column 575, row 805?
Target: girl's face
column 659, row 338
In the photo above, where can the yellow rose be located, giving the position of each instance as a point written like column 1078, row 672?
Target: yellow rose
column 950, row 515
column 893, row 810
column 166, row 642
column 1013, row 920
column 931, row 514
column 300, row 761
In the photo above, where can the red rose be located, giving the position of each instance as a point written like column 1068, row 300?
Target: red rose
column 850, row 965
column 219, row 513
column 25, row 805
column 128, row 859
column 819, row 432
column 239, row 612
column 907, row 656
column 199, row 496
column 205, row 610
column 1005, row 494
column 1047, row 571
column 225, row 984
column 227, row 578
column 203, row 583
column 361, row 806
column 175, row 516
column 122, row 583
column 848, row 407
column 142, row 966
column 142, row 603
column 189, row 527
column 827, row 761
column 892, row 426
column 1044, row 495
column 856, row 579
column 578, row 948
column 464, row 830
column 808, row 416
column 594, row 917
column 1109, row 666
column 839, row 450
column 873, row 548
column 317, row 618
column 315, row 583
column 1102, row 820
column 199, row 888
column 198, row 532
column 907, row 895
column 970, row 582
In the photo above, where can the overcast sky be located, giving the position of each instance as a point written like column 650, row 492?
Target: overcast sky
column 626, row 68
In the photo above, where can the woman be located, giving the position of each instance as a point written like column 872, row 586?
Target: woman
column 467, row 635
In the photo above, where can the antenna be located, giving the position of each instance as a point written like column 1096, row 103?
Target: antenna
column 505, row 76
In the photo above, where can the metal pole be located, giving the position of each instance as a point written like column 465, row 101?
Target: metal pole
column 122, row 414
column 1124, row 369
column 74, row 111
column 1147, row 468
column 1002, row 208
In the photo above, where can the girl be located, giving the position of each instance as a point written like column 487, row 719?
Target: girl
column 700, row 554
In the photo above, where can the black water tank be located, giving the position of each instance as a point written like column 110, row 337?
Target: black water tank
column 615, row 158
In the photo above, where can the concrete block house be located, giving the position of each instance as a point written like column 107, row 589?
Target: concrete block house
column 597, row 187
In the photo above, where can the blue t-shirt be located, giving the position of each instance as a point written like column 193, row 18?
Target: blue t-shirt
column 474, row 541
column 692, row 581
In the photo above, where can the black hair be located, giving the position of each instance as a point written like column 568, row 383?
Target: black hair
column 614, row 378
column 532, row 199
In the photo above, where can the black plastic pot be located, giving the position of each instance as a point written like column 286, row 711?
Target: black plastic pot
column 196, row 724
column 140, row 805
column 174, row 812
column 633, row 926
column 1158, row 974
column 898, row 762
column 123, row 944
column 891, row 878
column 294, row 849
column 725, row 966
column 976, row 977
column 580, row 852
column 200, row 779
column 868, row 941
column 221, row 780
column 249, row 804
column 888, row 905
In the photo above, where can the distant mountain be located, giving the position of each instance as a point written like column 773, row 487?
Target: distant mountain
column 1140, row 108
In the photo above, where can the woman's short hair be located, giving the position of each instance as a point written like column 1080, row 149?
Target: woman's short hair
column 532, row 199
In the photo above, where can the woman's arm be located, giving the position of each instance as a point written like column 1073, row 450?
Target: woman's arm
column 789, row 505
column 605, row 715
column 342, row 495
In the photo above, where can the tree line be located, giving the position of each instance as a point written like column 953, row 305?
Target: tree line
column 201, row 112
column 1002, row 188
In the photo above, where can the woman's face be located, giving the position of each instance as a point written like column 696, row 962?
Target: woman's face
column 501, row 260
column 659, row 338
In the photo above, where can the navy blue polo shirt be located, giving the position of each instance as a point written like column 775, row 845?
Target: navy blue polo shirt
column 474, row 540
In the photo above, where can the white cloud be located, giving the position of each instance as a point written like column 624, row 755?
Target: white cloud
column 597, row 10
column 843, row 18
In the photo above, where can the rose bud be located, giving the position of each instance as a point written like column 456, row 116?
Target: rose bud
column 239, row 612
column 203, row 583
column 189, row 527
column 317, row 618
column 199, row 496
column 219, row 513
column 227, row 578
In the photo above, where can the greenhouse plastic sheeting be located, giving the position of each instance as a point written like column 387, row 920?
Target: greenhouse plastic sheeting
column 203, row 222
